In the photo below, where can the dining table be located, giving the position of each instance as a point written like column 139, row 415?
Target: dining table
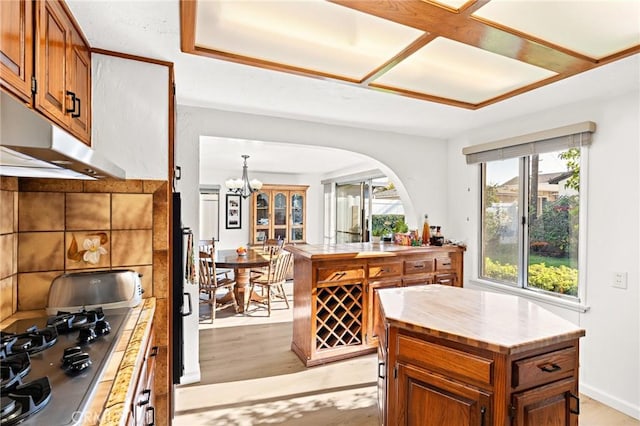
column 241, row 265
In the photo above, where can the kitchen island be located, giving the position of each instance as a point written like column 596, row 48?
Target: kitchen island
column 334, row 287
column 467, row 357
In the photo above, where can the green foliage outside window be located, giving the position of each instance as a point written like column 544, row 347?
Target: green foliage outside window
column 558, row 279
column 384, row 224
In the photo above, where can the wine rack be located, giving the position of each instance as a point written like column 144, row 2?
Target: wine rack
column 339, row 316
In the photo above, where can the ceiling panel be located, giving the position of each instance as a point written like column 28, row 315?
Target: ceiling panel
column 593, row 28
column 442, row 68
column 311, row 34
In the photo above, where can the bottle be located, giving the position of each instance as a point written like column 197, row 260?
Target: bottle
column 426, row 231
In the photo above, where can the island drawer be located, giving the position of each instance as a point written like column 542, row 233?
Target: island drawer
column 418, row 266
column 443, row 263
column 444, row 360
column 387, row 269
column 336, row 274
column 544, row 368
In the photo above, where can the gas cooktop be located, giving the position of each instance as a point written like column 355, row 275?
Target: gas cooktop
column 52, row 364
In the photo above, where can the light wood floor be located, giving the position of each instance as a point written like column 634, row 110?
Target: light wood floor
column 250, row 377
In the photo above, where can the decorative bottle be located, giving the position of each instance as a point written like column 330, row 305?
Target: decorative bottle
column 426, row 231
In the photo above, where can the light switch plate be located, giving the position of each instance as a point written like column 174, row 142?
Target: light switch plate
column 620, row 280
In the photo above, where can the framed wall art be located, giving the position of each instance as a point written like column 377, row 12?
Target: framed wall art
column 234, row 211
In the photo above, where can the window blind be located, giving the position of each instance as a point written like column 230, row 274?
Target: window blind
column 572, row 136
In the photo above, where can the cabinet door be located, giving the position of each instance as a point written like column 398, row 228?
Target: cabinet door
column 382, row 385
column 280, row 214
column 16, row 47
column 298, row 212
column 426, row 399
column 373, row 308
column 53, row 38
column 261, row 217
column 79, row 84
column 549, row 405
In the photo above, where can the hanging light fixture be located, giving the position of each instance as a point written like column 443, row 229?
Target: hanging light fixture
column 243, row 186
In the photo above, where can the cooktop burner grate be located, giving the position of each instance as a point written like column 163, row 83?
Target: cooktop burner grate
column 13, row 369
column 25, row 400
column 67, row 321
column 33, row 340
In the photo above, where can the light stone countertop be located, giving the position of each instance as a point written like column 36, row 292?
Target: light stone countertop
column 497, row 322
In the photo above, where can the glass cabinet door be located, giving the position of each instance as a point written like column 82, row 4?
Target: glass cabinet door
column 261, row 216
column 280, row 215
column 297, row 217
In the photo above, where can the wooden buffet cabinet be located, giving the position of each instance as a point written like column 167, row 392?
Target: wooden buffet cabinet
column 45, row 61
column 335, row 310
column 453, row 356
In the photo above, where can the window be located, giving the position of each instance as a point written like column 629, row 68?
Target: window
column 530, row 212
column 209, row 213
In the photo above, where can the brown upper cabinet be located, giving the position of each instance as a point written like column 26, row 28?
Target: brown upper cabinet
column 16, row 47
column 46, row 62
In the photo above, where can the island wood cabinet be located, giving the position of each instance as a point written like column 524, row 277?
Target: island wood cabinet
column 278, row 212
column 452, row 356
column 335, row 309
column 46, row 62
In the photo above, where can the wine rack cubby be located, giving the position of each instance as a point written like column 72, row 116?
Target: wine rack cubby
column 339, row 314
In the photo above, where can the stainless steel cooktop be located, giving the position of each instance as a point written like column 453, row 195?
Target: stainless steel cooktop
column 70, row 393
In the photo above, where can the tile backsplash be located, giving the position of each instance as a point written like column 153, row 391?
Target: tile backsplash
column 8, row 246
column 49, row 227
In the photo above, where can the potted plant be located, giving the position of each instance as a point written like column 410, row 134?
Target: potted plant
column 376, row 234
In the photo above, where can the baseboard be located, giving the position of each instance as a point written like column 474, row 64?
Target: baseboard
column 191, row 376
column 613, row 402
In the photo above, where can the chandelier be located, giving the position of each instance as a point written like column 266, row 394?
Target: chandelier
column 243, row 186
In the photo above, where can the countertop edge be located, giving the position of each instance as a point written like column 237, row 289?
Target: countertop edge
column 115, row 406
column 363, row 250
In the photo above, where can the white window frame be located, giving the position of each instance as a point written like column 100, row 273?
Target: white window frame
column 493, row 151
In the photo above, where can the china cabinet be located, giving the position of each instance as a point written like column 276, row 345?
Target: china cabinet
column 278, row 212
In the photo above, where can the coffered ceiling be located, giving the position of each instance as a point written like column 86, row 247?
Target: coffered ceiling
column 467, row 54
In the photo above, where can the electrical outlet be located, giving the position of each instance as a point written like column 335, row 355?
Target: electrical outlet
column 620, row 280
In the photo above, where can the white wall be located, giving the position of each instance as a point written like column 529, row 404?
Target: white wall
column 130, row 106
column 403, row 155
column 610, row 352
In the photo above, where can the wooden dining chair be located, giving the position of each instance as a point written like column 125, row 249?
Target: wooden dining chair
column 272, row 281
column 270, row 247
column 210, row 283
column 209, row 246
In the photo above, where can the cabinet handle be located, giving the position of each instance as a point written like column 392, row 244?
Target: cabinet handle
column 381, row 372
column 577, row 399
column 151, row 409
column 146, row 392
column 76, row 114
column 550, row 368
column 483, row 411
column 154, row 351
column 420, row 266
column 73, row 99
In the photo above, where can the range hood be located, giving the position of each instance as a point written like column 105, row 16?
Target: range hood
column 31, row 146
